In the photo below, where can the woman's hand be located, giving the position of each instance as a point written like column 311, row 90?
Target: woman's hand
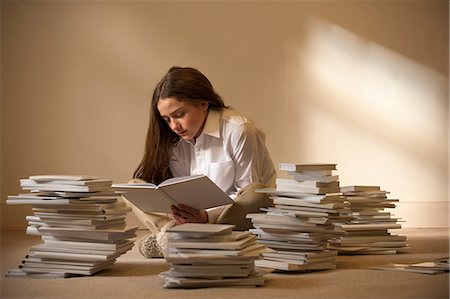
column 186, row 214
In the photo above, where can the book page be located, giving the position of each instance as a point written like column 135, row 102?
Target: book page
column 199, row 192
column 147, row 198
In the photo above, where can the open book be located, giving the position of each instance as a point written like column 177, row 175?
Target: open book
column 198, row 192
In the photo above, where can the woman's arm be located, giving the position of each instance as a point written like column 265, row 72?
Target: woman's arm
column 252, row 161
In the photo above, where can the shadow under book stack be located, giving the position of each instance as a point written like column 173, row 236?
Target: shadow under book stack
column 300, row 223
column 211, row 255
column 369, row 230
column 81, row 222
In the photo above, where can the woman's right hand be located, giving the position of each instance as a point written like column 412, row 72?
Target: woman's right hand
column 185, row 214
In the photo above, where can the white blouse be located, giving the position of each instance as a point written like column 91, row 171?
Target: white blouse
column 230, row 150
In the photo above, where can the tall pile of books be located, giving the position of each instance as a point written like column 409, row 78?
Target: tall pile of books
column 211, row 255
column 81, row 223
column 369, row 230
column 301, row 220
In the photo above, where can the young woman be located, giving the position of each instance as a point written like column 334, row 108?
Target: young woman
column 191, row 132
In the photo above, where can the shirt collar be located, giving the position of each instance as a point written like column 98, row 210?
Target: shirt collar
column 212, row 125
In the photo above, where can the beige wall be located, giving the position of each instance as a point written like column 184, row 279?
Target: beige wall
column 362, row 84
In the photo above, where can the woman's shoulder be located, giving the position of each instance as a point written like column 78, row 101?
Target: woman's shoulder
column 234, row 118
column 237, row 125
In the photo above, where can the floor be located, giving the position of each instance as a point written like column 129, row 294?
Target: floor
column 136, row 277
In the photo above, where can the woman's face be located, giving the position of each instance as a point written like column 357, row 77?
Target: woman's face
column 185, row 119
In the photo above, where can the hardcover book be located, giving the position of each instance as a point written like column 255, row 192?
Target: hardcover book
column 198, row 192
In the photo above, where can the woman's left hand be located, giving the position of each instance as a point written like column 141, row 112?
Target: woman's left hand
column 186, row 214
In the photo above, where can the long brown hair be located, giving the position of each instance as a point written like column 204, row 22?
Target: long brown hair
column 184, row 84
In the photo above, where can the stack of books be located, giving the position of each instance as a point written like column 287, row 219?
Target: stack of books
column 211, row 255
column 300, row 223
column 369, row 230
column 81, row 223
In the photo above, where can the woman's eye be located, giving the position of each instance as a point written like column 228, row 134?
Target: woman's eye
column 178, row 115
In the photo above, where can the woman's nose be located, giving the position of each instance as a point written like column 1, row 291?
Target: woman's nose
column 174, row 125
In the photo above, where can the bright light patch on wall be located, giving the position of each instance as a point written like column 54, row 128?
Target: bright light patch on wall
column 369, row 79
column 384, row 114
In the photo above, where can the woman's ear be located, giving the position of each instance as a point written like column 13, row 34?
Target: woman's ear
column 204, row 106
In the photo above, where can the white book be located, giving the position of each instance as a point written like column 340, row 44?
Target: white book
column 119, row 245
column 360, row 188
column 296, row 214
column 80, row 221
column 198, row 258
column 233, row 236
column 53, row 177
column 374, row 226
column 72, row 256
column 99, row 182
column 106, row 234
column 317, row 198
column 67, row 194
column 198, row 192
column 70, row 217
column 12, row 200
column 423, row 268
column 305, row 203
column 201, row 230
column 368, row 250
column 314, row 183
column 303, row 211
column 82, row 206
column 357, row 239
column 300, row 261
column 278, row 219
column 37, row 249
column 32, row 270
column 385, row 245
column 292, row 245
column 291, row 185
column 114, row 224
column 19, row 272
column 286, row 266
column 192, row 253
column 292, row 236
column 47, row 200
column 68, row 268
column 94, row 251
column 215, row 270
column 283, row 227
column 194, row 282
column 98, row 214
column 301, row 255
column 30, row 258
column 208, row 244
column 306, row 167
column 318, row 177
column 27, row 184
